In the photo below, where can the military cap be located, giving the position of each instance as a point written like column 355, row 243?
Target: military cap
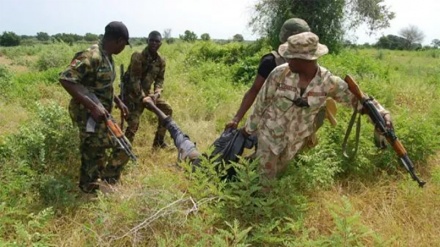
column 117, row 29
column 291, row 27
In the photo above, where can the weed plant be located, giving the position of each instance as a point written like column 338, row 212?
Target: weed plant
column 323, row 199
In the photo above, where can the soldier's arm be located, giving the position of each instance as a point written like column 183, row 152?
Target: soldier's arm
column 158, row 81
column 248, row 100
column 341, row 93
column 136, row 91
column 71, row 80
column 266, row 65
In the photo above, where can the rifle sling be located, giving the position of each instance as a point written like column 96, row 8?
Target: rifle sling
column 347, row 134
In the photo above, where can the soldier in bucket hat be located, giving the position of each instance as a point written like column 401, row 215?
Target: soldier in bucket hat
column 289, row 101
column 267, row 63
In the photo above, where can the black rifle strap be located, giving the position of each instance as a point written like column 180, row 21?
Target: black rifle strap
column 347, row 134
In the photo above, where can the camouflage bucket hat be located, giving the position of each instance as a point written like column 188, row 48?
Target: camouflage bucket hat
column 304, row 46
column 291, row 27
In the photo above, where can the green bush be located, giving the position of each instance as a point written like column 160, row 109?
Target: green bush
column 54, row 58
column 5, row 80
column 42, row 147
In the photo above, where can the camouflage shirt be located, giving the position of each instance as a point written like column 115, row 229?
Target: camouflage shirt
column 95, row 71
column 143, row 71
column 279, row 120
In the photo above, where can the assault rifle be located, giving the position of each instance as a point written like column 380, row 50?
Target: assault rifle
column 116, row 133
column 379, row 123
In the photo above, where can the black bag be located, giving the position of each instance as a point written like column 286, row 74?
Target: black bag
column 228, row 147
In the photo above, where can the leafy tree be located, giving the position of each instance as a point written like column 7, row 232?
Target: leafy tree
column 42, row 36
column 69, row 38
column 238, row 38
column 413, row 35
column 91, row 37
column 435, row 43
column 326, row 18
column 9, row 39
column 189, row 36
column 205, row 37
column 392, row 42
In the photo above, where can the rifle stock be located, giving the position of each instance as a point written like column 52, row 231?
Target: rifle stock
column 380, row 124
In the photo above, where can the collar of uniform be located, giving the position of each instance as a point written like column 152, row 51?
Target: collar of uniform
column 148, row 56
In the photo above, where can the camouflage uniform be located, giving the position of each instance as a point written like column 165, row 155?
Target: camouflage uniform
column 95, row 71
column 281, row 126
column 142, row 72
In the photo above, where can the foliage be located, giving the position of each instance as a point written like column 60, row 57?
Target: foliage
column 91, row 37
column 188, row 36
column 325, row 17
column 34, row 175
column 58, row 57
column 412, row 34
column 392, row 42
column 9, row 39
column 371, row 12
column 43, row 36
column 241, row 58
column 205, row 37
column 435, row 43
column 237, row 38
column 322, row 199
column 5, row 80
column 68, row 38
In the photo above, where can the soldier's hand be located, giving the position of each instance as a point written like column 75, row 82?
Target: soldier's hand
column 156, row 95
column 98, row 113
column 233, row 124
column 388, row 122
column 124, row 109
column 148, row 101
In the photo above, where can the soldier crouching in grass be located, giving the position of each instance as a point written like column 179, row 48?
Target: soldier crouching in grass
column 287, row 105
column 92, row 72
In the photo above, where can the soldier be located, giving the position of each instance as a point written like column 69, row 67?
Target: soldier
column 92, row 72
column 289, row 101
column 146, row 67
column 267, row 64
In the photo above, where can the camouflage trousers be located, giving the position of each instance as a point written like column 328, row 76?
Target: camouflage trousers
column 136, row 110
column 272, row 165
column 100, row 157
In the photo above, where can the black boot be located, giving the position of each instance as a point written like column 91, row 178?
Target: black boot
column 111, row 174
column 159, row 141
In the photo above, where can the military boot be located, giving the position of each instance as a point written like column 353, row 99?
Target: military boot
column 159, row 141
column 111, row 174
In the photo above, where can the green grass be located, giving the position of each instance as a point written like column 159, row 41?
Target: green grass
column 322, row 200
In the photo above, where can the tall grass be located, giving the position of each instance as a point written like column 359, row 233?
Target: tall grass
column 323, row 199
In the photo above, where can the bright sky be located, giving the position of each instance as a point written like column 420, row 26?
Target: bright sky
column 221, row 19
